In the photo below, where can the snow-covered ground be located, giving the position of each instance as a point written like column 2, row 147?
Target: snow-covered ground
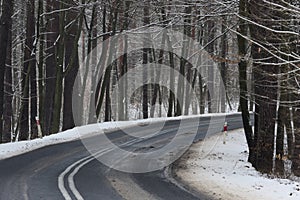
column 16, row 148
column 221, row 171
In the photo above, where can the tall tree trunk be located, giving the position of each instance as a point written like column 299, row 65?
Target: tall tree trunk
column 242, row 46
column 264, row 117
column 100, row 90
column 122, row 99
column 113, row 42
column 295, row 157
column 292, row 47
column 28, row 68
column 171, row 101
column 33, row 79
column 224, row 66
column 157, row 75
column 52, row 35
column 201, row 85
column 8, row 96
column 72, row 64
column 95, row 69
column 40, row 28
column 146, row 21
column 202, row 94
column 5, row 24
column 159, row 61
column 59, row 72
column 265, row 89
column 191, row 75
column 283, row 117
column 189, row 84
column 211, row 76
column 183, row 62
column 88, row 64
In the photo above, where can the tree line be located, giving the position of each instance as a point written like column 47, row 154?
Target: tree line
column 254, row 46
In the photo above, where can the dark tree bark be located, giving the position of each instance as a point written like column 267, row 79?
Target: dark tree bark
column 242, row 46
column 202, row 94
column 224, row 66
column 189, row 84
column 8, row 96
column 121, row 68
column 272, row 88
column 40, row 28
column 210, row 32
column 295, row 157
column 146, row 21
column 113, row 41
column 68, row 119
column 60, row 50
column 28, row 73
column 52, row 29
column 72, row 64
column 33, row 80
column 99, row 97
column 294, row 148
column 265, row 88
column 5, row 24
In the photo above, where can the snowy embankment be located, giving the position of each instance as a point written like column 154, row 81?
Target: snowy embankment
column 17, row 148
column 221, row 171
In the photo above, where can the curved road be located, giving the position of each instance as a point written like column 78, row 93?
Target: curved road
column 68, row 171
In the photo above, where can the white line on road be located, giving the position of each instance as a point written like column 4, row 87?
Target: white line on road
column 71, row 181
column 74, row 170
column 61, row 177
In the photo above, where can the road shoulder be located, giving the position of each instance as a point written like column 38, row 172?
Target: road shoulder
column 221, row 171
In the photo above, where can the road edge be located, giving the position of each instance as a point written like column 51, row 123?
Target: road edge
column 170, row 175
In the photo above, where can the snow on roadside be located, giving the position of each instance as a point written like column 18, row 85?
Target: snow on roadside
column 221, row 171
column 12, row 149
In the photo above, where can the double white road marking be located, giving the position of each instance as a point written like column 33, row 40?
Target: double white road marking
column 73, row 169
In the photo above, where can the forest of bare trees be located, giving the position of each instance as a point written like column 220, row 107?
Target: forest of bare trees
column 49, row 53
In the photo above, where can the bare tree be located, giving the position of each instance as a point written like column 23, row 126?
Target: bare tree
column 5, row 24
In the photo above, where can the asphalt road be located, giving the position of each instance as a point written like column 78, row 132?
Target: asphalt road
column 68, row 171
